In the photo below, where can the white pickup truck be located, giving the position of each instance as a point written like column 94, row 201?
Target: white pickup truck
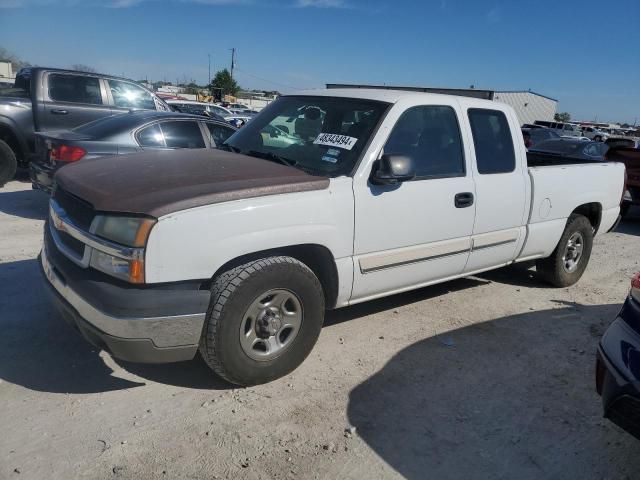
column 238, row 253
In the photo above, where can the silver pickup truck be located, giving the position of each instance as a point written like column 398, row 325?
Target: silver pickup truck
column 49, row 99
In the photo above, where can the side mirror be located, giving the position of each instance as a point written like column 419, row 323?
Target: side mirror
column 393, row 170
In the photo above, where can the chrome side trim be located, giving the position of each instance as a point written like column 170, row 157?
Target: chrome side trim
column 408, row 255
column 61, row 221
column 490, row 245
column 494, row 239
column 170, row 331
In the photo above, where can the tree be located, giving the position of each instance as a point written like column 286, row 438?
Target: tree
column 562, row 117
column 224, row 83
column 83, row 68
column 16, row 62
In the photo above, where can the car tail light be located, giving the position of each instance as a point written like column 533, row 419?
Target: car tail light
column 67, row 153
column 635, row 286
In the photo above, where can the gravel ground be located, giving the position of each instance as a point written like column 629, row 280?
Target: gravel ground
column 485, row 377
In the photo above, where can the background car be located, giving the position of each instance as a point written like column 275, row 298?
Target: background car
column 198, row 108
column 630, row 156
column 121, row 134
column 533, row 136
column 573, row 148
column 563, row 128
column 594, row 134
column 239, row 108
column 618, row 365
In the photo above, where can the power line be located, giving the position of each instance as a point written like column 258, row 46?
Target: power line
column 269, row 81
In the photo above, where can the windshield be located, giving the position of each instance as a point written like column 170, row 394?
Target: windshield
column 320, row 135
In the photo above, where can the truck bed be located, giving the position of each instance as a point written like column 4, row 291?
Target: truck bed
column 556, row 191
column 543, row 159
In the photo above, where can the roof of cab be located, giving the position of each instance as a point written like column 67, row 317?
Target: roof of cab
column 391, row 96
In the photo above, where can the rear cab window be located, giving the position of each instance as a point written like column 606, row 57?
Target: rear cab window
column 74, row 89
column 492, row 141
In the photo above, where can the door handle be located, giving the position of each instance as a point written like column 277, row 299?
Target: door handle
column 463, row 200
column 59, row 111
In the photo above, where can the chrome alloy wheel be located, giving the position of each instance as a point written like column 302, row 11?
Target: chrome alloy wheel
column 573, row 252
column 270, row 324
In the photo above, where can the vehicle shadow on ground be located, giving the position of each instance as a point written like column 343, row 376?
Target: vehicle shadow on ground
column 630, row 225
column 518, row 274
column 39, row 351
column 31, row 204
column 473, row 409
column 335, row 317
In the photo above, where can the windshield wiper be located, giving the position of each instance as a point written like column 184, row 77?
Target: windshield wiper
column 272, row 157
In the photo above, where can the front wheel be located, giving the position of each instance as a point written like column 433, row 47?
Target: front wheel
column 569, row 260
column 263, row 320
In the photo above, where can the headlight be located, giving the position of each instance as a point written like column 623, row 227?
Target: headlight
column 129, row 231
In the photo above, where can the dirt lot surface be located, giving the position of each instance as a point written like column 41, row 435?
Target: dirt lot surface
column 485, row 377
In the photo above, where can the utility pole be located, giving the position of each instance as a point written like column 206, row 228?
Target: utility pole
column 209, row 55
column 233, row 60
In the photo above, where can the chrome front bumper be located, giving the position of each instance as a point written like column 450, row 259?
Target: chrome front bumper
column 142, row 339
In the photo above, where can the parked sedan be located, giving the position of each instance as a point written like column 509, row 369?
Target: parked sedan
column 618, row 365
column 572, row 148
column 121, row 134
column 533, row 136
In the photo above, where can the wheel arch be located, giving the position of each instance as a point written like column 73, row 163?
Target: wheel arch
column 317, row 257
column 593, row 213
column 9, row 135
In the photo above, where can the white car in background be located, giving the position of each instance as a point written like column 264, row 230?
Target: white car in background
column 595, row 134
column 238, row 108
column 188, row 106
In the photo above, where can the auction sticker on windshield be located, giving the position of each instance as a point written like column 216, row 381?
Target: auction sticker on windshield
column 334, row 140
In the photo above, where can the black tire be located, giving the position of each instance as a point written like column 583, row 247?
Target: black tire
column 552, row 269
column 8, row 163
column 233, row 292
column 597, row 138
column 624, row 209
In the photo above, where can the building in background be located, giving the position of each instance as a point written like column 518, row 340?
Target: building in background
column 529, row 106
column 6, row 72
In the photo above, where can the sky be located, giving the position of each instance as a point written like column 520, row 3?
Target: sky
column 586, row 54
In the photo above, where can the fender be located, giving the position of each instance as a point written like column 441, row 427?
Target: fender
column 195, row 243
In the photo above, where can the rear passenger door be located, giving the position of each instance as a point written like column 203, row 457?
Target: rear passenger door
column 72, row 100
column 502, row 189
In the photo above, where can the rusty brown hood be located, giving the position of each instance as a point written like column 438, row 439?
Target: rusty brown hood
column 161, row 182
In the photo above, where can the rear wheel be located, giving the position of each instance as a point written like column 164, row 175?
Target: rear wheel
column 8, row 163
column 597, row 139
column 569, row 260
column 263, row 320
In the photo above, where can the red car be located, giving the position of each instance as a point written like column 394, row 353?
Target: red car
column 631, row 158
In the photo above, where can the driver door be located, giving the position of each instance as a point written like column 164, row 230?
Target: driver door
column 418, row 232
